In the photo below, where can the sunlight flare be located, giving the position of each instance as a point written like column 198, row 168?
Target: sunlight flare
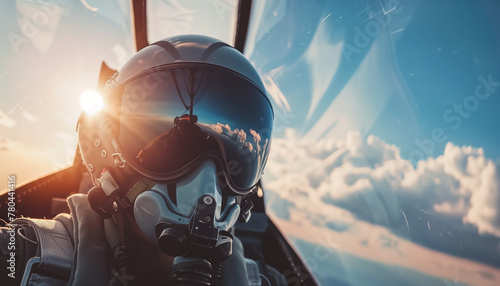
column 91, row 101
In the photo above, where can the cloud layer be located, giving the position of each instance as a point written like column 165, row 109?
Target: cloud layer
column 6, row 121
column 320, row 180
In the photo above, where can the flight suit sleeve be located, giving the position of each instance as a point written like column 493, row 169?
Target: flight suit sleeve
column 14, row 252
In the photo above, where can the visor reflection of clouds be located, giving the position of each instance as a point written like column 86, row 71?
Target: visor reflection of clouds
column 170, row 119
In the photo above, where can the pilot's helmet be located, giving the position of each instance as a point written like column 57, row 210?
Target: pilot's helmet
column 176, row 104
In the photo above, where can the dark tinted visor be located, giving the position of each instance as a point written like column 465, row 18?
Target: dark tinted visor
column 170, row 118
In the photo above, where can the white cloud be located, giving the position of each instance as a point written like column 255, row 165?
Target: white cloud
column 30, row 117
column 6, row 120
column 369, row 178
column 448, row 178
column 485, row 201
column 462, row 183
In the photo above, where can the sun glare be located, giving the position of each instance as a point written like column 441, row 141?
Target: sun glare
column 91, row 101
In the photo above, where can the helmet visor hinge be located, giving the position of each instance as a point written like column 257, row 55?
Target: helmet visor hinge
column 119, row 160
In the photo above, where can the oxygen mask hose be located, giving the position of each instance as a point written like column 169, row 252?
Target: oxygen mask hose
column 192, row 271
